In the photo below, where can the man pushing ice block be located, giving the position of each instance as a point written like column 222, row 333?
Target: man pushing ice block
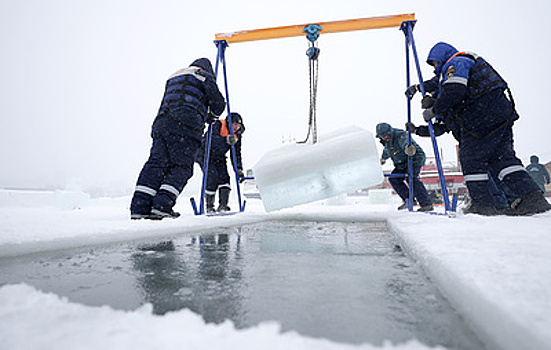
column 341, row 162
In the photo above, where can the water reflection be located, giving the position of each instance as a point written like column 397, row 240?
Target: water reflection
column 202, row 276
column 347, row 282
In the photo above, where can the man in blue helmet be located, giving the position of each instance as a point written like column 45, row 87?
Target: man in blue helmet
column 191, row 97
column 538, row 172
column 395, row 142
column 218, row 177
column 471, row 96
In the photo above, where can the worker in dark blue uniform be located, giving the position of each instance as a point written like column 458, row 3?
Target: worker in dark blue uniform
column 218, row 178
column 471, row 96
column 191, row 97
column 396, row 147
column 539, row 172
column 501, row 195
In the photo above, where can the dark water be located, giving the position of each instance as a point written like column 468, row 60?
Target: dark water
column 347, row 282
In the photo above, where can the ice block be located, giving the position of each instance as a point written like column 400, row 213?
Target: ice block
column 340, row 162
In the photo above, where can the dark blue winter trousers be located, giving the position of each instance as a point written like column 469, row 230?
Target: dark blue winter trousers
column 419, row 190
column 497, row 155
column 218, row 175
column 166, row 172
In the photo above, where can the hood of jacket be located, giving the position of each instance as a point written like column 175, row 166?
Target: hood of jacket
column 534, row 159
column 440, row 54
column 204, row 64
column 383, row 129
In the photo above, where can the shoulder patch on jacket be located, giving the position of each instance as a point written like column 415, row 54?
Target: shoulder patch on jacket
column 450, row 72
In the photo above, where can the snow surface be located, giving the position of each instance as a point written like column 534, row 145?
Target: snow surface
column 495, row 271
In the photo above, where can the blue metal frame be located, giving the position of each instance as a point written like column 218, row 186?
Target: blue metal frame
column 407, row 28
column 312, row 33
column 220, row 57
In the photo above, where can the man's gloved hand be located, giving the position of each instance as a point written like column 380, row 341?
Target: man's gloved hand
column 241, row 175
column 427, row 101
column 428, row 114
column 410, row 91
column 383, row 161
column 410, row 150
column 203, row 75
column 231, row 139
column 211, row 118
column 411, row 128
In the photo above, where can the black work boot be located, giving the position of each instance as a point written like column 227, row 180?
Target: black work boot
column 157, row 214
column 404, row 204
column 223, row 198
column 486, row 210
column 532, row 203
column 427, row 207
column 210, row 203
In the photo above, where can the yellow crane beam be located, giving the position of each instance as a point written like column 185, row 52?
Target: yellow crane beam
column 328, row 27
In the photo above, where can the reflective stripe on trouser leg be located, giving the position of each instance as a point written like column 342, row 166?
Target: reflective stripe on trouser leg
column 477, row 177
column 170, row 189
column 165, row 198
column 479, row 190
column 226, row 185
column 147, row 190
column 509, row 170
column 142, row 200
column 518, row 181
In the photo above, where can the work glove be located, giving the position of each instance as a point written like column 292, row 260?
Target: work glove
column 410, row 91
column 383, row 161
column 411, row 128
column 428, row 114
column 410, row 150
column 203, row 75
column 427, row 102
column 231, row 139
column 241, row 175
column 211, row 118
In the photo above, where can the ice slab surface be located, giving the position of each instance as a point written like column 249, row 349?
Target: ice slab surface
column 340, row 162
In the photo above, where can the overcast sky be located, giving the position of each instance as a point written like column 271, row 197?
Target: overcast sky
column 81, row 81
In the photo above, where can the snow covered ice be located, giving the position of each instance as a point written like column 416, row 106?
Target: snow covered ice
column 340, row 162
column 493, row 270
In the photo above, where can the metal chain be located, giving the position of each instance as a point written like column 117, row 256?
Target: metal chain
column 313, row 77
column 313, row 95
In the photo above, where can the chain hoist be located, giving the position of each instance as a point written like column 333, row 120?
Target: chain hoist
column 312, row 33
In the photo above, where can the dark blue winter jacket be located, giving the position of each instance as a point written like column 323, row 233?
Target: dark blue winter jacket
column 395, row 150
column 190, row 94
column 471, row 93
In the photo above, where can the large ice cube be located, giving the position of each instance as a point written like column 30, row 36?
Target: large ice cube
column 343, row 161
